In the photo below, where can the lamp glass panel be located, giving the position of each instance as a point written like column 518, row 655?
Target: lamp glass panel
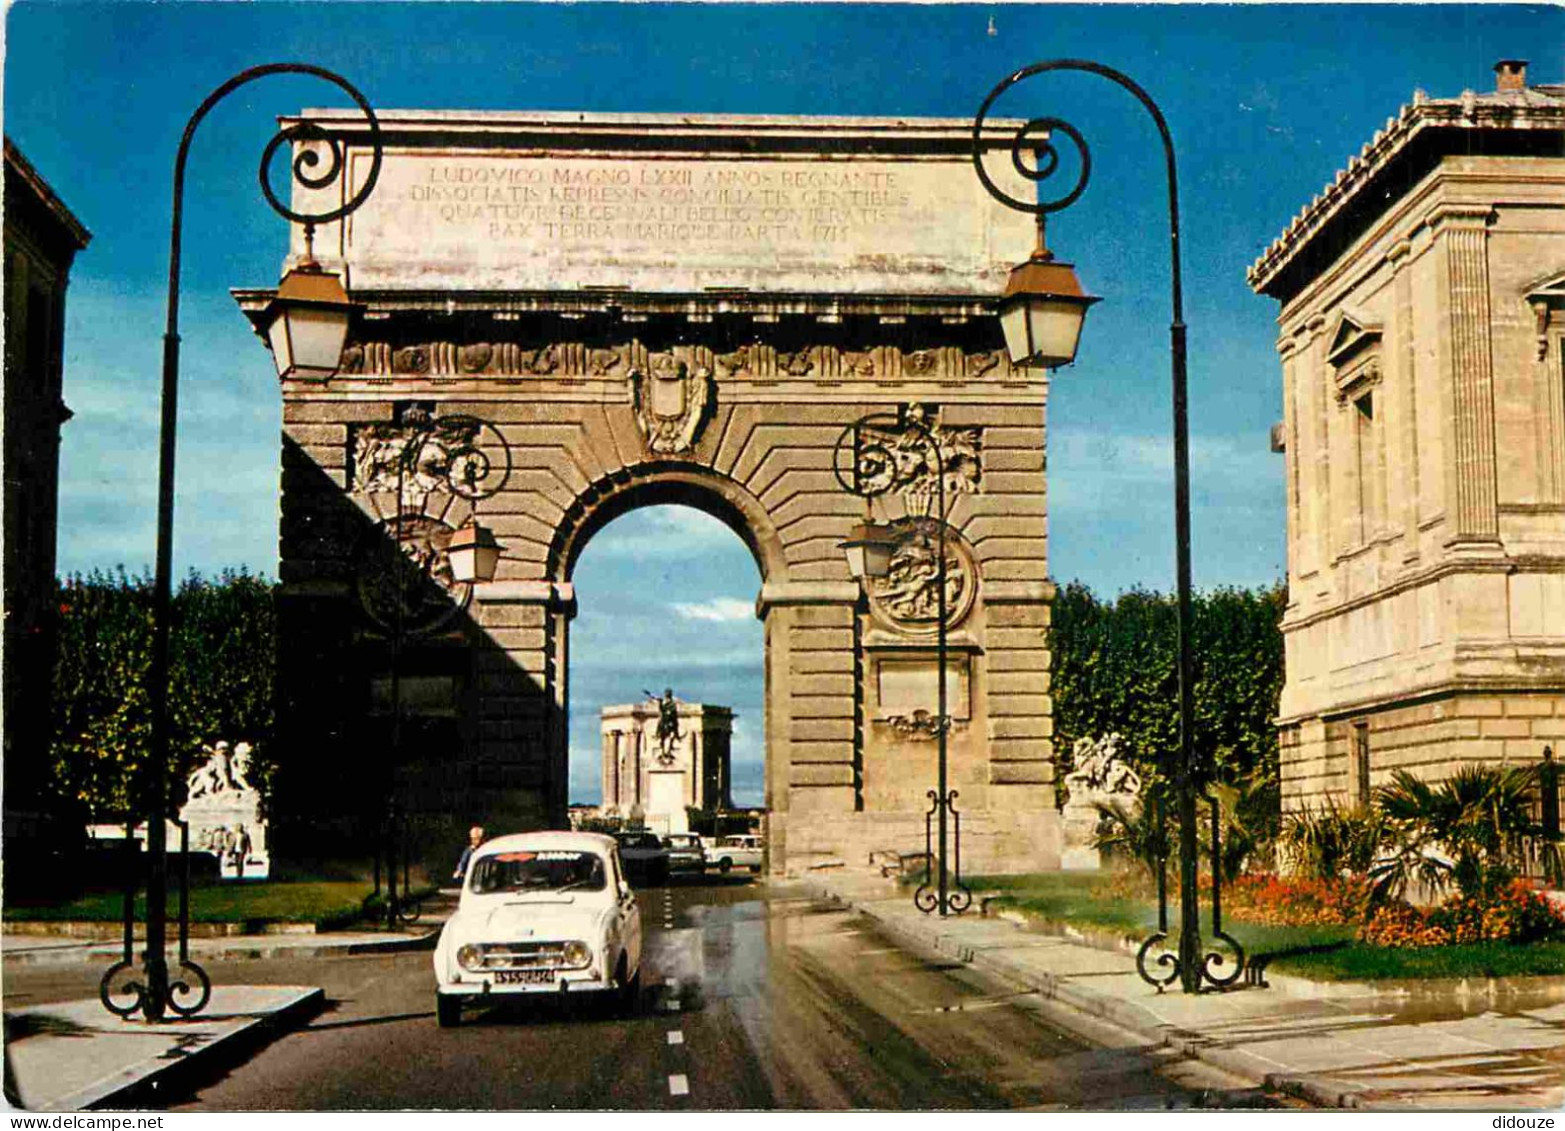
column 877, row 558
column 1056, row 329
column 317, row 335
column 282, row 345
column 486, row 559
column 464, row 562
column 1013, row 322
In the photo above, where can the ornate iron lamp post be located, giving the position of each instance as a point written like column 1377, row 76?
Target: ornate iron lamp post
column 871, row 446
column 308, row 324
column 1042, row 311
column 452, row 452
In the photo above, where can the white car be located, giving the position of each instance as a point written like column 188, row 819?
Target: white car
column 540, row 913
column 735, row 852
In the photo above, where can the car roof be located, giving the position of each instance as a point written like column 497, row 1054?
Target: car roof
column 556, row 841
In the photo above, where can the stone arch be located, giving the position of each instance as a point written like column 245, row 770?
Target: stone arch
column 657, row 484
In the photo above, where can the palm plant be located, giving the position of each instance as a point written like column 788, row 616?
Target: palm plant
column 1466, row 829
column 1333, row 842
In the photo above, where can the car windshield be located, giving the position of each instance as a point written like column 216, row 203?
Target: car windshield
column 538, row 871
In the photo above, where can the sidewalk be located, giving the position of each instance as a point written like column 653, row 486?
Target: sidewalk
column 1332, row 1045
column 74, row 1055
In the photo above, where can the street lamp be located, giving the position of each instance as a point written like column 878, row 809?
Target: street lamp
column 1042, row 311
column 872, row 446
column 306, row 324
column 457, row 452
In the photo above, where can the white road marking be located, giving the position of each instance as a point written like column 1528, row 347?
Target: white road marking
column 678, row 1086
column 675, row 1037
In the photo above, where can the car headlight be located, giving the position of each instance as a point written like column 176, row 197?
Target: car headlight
column 577, row 953
column 470, row 957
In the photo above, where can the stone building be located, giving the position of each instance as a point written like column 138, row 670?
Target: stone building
column 42, row 238
column 645, row 777
column 1422, row 328
column 620, row 311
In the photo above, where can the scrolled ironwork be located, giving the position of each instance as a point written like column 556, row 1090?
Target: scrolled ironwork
column 1046, row 156
column 865, row 446
column 305, row 133
column 1215, row 958
column 155, row 996
column 960, row 898
column 134, row 987
column 1167, row 958
column 180, row 987
column 924, row 899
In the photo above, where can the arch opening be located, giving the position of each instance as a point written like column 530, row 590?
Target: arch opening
column 665, row 578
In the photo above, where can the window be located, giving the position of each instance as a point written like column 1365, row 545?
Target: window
column 1369, row 445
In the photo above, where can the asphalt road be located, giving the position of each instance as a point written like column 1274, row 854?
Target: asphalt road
column 755, row 996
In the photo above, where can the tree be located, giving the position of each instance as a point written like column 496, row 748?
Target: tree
column 1115, row 669
column 221, row 675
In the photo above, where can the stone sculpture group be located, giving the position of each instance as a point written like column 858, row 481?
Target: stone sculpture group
column 223, row 810
column 1100, row 777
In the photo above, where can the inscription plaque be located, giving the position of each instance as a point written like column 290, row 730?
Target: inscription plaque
column 507, row 215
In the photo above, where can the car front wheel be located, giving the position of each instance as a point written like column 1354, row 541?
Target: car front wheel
column 725, row 865
column 448, row 1011
column 627, row 989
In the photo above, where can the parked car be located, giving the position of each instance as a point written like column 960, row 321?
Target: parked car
column 646, row 860
column 732, row 852
column 547, row 912
column 686, row 852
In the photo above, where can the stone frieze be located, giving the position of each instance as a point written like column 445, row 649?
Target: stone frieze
column 757, row 361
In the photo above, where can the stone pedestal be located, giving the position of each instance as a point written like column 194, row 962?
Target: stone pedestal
column 224, row 815
column 666, row 807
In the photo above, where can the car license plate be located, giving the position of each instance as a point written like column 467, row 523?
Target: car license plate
column 523, row 977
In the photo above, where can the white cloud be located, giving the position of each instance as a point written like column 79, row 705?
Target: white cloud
column 717, row 609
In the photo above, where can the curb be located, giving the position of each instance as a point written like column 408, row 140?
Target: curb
column 67, row 954
column 146, row 1084
column 1125, row 1014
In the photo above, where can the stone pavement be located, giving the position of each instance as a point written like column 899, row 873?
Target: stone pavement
column 68, row 1056
column 1333, row 1045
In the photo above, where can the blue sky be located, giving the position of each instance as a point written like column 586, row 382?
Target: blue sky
column 1266, row 103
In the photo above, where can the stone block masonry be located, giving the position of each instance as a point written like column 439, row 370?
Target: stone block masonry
column 660, row 310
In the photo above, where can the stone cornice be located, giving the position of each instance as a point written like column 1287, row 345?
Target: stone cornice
column 1444, row 689
column 1497, row 564
column 554, row 594
column 1521, row 111
column 66, row 226
column 744, row 134
column 630, row 306
column 806, row 593
column 1018, row 592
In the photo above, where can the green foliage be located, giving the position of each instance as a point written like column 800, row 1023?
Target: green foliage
column 222, row 665
column 1333, row 842
column 1115, row 669
column 1466, row 829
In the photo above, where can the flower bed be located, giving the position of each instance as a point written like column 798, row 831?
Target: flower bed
column 1515, row 913
column 1281, row 901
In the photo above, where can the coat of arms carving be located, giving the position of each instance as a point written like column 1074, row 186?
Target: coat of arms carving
column 671, row 402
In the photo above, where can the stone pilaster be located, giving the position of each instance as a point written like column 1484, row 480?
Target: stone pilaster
column 1463, row 230
column 1404, row 381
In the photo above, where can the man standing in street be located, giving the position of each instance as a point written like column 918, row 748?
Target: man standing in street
column 475, row 837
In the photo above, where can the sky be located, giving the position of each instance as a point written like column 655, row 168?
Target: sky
column 1265, row 102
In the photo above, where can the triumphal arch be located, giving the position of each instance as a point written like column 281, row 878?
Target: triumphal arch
column 594, row 313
